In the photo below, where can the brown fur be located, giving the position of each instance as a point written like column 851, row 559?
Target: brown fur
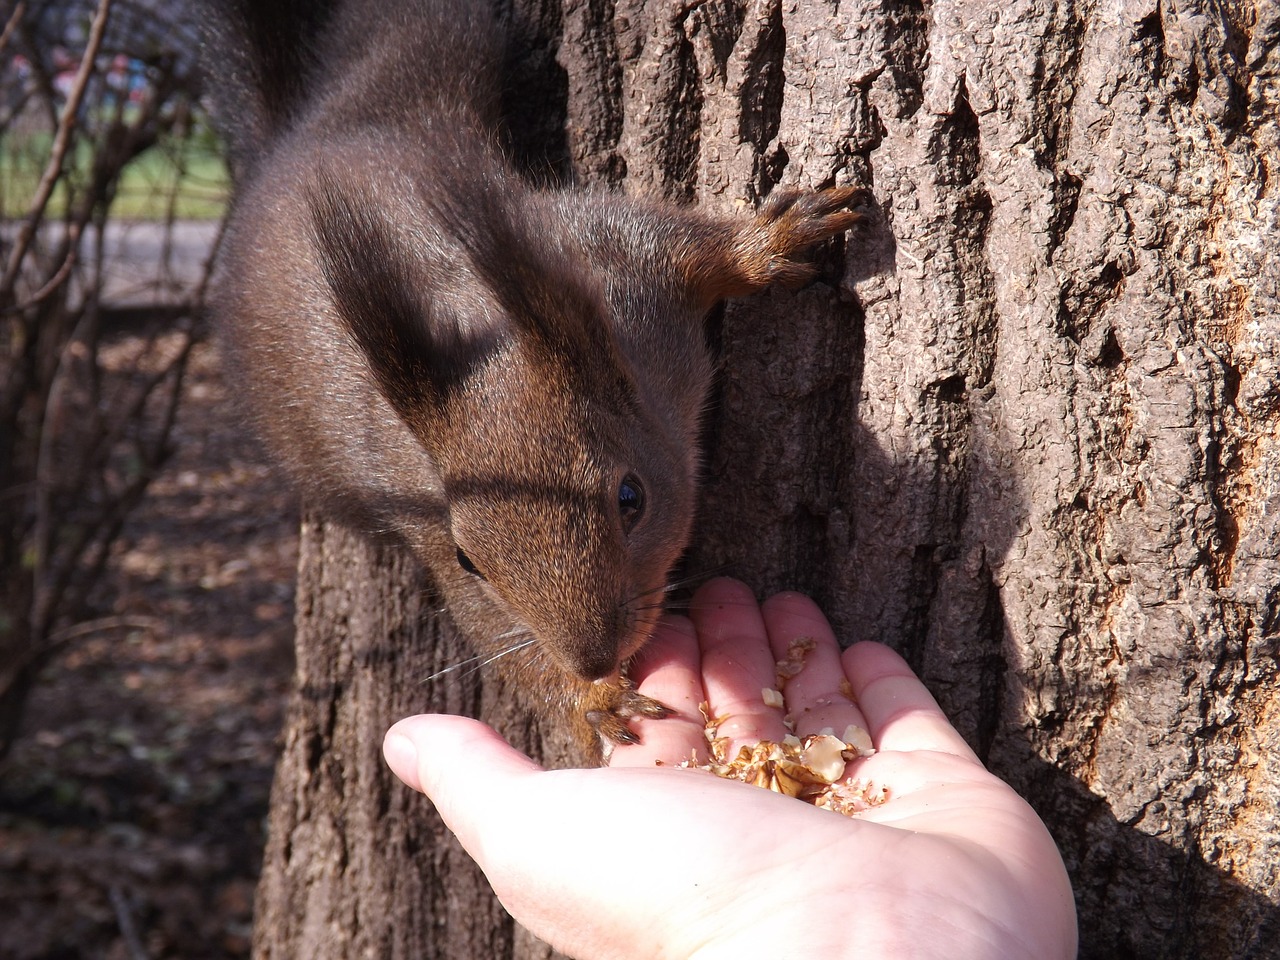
column 486, row 372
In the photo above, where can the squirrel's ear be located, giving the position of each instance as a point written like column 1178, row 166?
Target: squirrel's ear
column 768, row 249
column 417, row 348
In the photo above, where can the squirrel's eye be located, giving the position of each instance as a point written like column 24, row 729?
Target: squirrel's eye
column 465, row 563
column 630, row 501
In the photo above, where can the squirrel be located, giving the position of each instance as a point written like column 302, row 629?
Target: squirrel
column 507, row 379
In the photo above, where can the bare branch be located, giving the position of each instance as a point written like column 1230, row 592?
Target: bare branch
column 12, row 24
column 102, row 625
column 124, row 918
column 54, row 282
column 58, row 152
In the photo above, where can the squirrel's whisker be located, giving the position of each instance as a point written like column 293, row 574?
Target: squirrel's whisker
column 480, row 661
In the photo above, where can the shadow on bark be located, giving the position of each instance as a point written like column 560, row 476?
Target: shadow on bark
column 1141, row 881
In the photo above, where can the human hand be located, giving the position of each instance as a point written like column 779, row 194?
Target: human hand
column 638, row 860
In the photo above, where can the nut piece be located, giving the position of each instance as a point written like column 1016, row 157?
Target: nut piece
column 808, row 768
column 858, row 739
column 823, row 755
column 797, row 652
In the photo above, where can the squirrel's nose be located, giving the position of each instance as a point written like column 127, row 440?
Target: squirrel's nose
column 588, row 641
column 597, row 661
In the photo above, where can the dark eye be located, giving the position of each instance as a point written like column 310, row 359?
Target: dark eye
column 465, row 563
column 630, row 501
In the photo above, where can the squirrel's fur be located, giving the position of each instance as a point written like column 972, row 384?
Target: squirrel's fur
column 508, row 380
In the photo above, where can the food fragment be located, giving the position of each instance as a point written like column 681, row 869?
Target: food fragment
column 790, row 665
column 771, row 698
column 808, row 768
column 859, row 739
column 824, row 755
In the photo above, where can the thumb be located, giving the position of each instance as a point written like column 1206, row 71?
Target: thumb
column 462, row 765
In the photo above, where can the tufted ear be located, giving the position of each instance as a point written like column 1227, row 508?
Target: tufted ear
column 419, row 350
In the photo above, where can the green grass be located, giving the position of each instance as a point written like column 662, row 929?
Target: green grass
column 185, row 179
column 192, row 180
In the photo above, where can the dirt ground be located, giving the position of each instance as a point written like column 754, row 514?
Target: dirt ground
column 132, row 810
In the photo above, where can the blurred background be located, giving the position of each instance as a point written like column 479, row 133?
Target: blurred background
column 146, row 551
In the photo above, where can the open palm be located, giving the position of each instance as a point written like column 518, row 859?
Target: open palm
column 645, row 860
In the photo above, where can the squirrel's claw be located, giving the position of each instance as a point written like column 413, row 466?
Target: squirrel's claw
column 790, row 223
column 770, row 247
column 611, row 706
column 807, row 218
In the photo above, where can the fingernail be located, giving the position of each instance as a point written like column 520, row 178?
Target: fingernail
column 402, row 757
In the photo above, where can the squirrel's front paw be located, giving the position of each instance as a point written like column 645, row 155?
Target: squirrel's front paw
column 789, row 223
column 609, row 707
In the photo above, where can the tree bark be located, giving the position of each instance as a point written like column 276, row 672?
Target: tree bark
column 1025, row 430
column 356, row 865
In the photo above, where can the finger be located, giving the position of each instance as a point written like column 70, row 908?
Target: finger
column 464, row 766
column 667, row 668
column 818, row 697
column 737, row 664
column 901, row 714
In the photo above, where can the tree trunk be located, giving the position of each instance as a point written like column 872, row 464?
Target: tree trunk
column 1025, row 431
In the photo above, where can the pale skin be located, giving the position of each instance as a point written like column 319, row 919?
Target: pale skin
column 638, row 860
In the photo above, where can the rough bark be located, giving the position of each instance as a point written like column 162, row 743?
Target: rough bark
column 1025, row 431
column 357, row 866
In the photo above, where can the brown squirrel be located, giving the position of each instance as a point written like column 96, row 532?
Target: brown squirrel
column 508, row 380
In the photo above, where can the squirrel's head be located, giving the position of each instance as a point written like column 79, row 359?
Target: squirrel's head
column 568, row 498
column 569, row 504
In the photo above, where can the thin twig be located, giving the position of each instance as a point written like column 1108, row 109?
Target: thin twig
column 45, row 487
column 14, row 19
column 99, row 533
column 58, row 152
column 124, row 919
column 210, row 263
column 54, row 282
column 101, row 625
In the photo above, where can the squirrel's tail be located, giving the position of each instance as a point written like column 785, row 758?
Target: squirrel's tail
column 261, row 57
column 270, row 61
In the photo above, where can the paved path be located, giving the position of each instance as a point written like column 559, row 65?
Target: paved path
column 151, row 264
column 145, row 264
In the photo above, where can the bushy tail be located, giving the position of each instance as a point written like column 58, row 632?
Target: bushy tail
column 260, row 57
